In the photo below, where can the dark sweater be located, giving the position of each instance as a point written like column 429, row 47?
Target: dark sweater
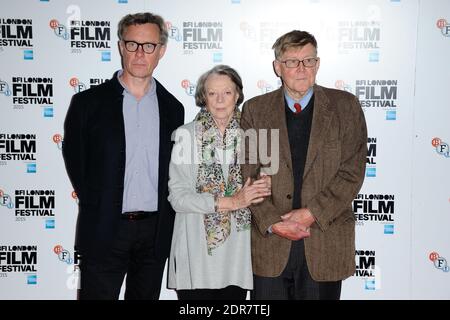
column 299, row 129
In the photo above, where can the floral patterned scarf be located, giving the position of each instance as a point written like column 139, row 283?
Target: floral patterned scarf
column 210, row 177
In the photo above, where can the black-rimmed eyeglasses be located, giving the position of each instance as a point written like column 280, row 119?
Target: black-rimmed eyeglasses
column 294, row 63
column 133, row 46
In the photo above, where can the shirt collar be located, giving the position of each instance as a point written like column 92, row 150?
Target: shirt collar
column 303, row 101
column 151, row 91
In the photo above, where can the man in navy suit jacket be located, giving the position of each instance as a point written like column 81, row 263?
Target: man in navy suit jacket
column 117, row 146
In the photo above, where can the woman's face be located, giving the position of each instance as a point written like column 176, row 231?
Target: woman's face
column 221, row 97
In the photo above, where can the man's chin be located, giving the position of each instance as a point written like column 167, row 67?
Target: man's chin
column 140, row 74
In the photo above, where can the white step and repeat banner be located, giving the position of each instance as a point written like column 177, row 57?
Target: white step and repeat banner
column 392, row 54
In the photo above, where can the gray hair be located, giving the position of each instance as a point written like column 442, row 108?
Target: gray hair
column 200, row 98
column 293, row 39
column 143, row 18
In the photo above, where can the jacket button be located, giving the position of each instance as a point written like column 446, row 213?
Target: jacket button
column 289, row 196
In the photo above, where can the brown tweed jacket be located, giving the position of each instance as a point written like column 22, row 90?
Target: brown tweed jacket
column 333, row 175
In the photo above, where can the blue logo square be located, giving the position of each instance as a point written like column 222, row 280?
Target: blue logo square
column 369, row 284
column 371, row 172
column 388, row 229
column 374, row 56
column 106, row 55
column 217, row 57
column 32, row 279
column 391, row 115
column 48, row 112
column 27, row 54
column 50, row 224
column 31, row 167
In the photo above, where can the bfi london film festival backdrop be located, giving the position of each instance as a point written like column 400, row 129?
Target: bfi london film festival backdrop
column 392, row 54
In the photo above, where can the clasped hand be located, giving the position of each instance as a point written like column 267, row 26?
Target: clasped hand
column 294, row 225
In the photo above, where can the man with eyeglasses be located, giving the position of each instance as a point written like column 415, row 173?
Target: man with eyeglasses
column 117, row 147
column 303, row 236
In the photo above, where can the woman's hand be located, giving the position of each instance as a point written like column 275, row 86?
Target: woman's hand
column 264, row 179
column 252, row 193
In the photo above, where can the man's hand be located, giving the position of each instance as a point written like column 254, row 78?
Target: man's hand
column 290, row 230
column 302, row 216
column 294, row 225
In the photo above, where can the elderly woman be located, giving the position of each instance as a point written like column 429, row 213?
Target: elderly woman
column 210, row 256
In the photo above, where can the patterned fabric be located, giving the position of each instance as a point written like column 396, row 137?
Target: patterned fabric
column 210, row 177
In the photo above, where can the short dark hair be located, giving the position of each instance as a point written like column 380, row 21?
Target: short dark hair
column 200, row 99
column 293, row 39
column 143, row 18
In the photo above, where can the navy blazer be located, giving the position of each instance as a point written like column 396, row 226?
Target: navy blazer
column 94, row 154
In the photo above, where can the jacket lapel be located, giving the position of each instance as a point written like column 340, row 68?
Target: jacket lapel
column 115, row 97
column 164, row 143
column 277, row 114
column 320, row 123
